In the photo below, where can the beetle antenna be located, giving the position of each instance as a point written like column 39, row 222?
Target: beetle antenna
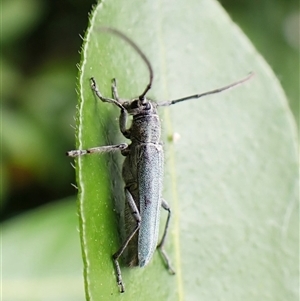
column 171, row 102
column 139, row 51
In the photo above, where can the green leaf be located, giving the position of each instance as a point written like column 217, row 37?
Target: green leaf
column 41, row 255
column 231, row 172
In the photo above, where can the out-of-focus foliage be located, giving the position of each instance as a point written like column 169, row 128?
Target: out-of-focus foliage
column 273, row 27
column 40, row 49
column 41, row 255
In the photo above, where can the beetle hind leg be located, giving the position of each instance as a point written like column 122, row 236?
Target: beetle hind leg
column 118, row 254
column 160, row 246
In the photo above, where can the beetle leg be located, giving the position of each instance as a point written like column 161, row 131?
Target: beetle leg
column 160, row 246
column 114, row 90
column 98, row 149
column 97, row 92
column 118, row 254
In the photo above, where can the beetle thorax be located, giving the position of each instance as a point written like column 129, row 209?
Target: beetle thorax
column 145, row 128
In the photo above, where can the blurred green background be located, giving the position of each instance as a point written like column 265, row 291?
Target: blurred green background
column 41, row 42
column 40, row 49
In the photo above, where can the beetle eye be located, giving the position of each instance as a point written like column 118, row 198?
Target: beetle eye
column 147, row 106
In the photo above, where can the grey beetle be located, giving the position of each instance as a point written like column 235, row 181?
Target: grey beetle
column 142, row 169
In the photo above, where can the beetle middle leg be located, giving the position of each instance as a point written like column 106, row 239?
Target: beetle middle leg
column 160, row 246
column 118, row 254
column 98, row 149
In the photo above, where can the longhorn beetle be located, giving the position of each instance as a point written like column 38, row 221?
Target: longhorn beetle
column 142, row 168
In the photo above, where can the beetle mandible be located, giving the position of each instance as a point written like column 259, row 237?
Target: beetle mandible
column 142, row 168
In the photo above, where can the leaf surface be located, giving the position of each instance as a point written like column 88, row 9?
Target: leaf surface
column 231, row 167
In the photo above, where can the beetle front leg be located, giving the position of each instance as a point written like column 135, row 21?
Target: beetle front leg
column 97, row 92
column 160, row 246
column 123, row 122
column 114, row 90
column 124, row 115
